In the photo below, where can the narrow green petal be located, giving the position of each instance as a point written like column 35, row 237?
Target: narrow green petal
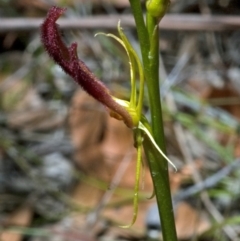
column 134, row 58
column 138, row 137
column 146, row 131
column 132, row 72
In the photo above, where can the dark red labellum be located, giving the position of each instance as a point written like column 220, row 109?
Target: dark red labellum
column 68, row 59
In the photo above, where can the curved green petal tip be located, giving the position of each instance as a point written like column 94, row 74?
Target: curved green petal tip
column 147, row 132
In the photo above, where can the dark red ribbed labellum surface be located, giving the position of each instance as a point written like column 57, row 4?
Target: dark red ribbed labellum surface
column 68, row 59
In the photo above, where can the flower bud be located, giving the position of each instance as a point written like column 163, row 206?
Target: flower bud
column 157, row 8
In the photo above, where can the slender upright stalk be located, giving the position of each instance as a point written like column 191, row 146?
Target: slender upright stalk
column 148, row 35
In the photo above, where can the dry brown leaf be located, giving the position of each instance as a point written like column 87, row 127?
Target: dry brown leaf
column 201, row 87
column 86, row 195
column 190, row 221
column 220, row 96
column 86, row 120
column 86, row 125
column 237, row 147
column 21, row 217
column 118, row 138
column 123, row 216
column 183, row 175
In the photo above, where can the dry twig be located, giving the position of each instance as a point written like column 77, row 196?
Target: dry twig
column 189, row 22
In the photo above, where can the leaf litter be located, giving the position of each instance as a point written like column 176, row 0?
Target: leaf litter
column 36, row 113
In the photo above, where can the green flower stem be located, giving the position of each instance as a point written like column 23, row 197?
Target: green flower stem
column 149, row 44
column 142, row 33
column 160, row 178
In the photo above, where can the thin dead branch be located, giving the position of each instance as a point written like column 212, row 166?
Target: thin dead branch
column 189, row 22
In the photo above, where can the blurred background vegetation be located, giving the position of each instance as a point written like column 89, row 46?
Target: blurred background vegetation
column 67, row 169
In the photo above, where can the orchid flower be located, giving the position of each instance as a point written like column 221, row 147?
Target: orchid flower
column 128, row 111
